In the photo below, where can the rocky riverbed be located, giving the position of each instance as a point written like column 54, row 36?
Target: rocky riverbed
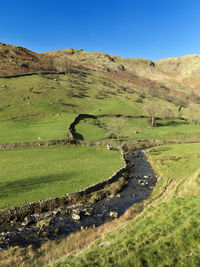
column 39, row 228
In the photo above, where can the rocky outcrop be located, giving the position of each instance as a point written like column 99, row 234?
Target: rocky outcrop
column 172, row 72
column 16, row 60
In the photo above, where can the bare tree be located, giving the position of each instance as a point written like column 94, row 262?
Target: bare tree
column 155, row 109
column 152, row 109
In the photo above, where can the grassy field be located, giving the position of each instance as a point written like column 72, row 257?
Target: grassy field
column 166, row 233
column 135, row 129
column 34, row 129
column 54, row 127
column 33, row 174
column 44, row 105
column 93, row 93
column 37, row 95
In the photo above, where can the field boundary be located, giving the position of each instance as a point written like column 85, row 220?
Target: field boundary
column 71, row 131
column 30, row 74
column 74, row 141
column 4, row 146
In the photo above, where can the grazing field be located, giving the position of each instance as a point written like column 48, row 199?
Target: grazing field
column 72, row 93
column 33, row 174
column 166, row 233
column 134, row 129
column 37, row 95
column 34, row 129
column 42, row 106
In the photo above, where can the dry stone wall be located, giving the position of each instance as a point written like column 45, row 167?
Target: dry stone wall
column 30, row 74
column 120, row 116
column 37, row 144
column 71, row 131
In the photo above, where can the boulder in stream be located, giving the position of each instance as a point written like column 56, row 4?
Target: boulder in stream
column 27, row 221
column 113, row 214
column 44, row 223
column 76, row 217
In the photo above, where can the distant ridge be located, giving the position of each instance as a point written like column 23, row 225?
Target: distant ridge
column 180, row 71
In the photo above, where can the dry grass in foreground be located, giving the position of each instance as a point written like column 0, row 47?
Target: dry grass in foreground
column 53, row 250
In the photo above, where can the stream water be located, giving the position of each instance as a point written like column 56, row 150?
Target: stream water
column 38, row 229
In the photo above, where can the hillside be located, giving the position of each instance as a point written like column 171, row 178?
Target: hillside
column 16, row 60
column 94, row 83
column 182, row 74
column 173, row 71
column 90, row 79
column 179, row 75
column 185, row 70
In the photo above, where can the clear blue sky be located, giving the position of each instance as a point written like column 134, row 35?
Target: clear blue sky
column 153, row 29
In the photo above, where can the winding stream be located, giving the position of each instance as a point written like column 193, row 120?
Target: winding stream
column 38, row 229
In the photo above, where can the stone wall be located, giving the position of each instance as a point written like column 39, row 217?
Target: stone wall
column 71, row 131
column 121, row 116
column 37, row 144
column 30, row 74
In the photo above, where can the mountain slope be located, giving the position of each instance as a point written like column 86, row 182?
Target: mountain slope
column 181, row 73
column 185, row 70
column 178, row 71
column 91, row 81
column 16, row 59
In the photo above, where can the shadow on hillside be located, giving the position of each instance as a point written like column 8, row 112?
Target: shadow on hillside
column 81, row 96
column 35, row 182
column 170, row 123
column 69, row 105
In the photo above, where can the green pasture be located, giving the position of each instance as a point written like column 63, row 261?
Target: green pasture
column 37, row 95
column 28, row 175
column 40, row 107
column 167, row 232
column 137, row 129
column 178, row 165
column 36, row 129
column 94, row 93
column 177, row 161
